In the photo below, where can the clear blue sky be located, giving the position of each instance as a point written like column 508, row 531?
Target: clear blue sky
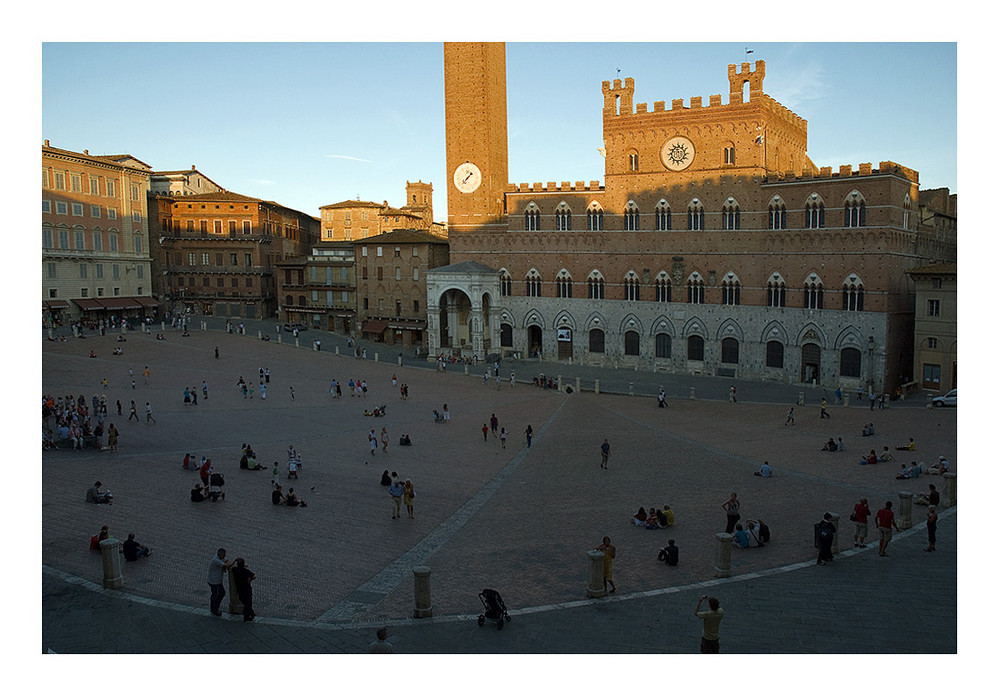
column 308, row 124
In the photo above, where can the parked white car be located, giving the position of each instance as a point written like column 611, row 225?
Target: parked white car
column 946, row 400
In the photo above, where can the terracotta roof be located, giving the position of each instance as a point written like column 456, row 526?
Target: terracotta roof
column 220, row 196
column 944, row 267
column 353, row 204
column 402, row 236
column 106, row 159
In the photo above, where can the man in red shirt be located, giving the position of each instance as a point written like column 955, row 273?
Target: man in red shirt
column 885, row 519
column 861, row 513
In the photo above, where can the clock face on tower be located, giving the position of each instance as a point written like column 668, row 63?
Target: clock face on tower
column 467, row 177
column 677, row 153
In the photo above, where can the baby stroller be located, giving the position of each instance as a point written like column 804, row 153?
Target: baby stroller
column 215, row 484
column 438, row 418
column 495, row 610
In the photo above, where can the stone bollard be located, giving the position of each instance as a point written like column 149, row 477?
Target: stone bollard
column 399, row 360
column 595, row 583
column 259, row 334
column 112, row 561
column 949, row 495
column 163, row 326
column 235, row 606
column 597, row 387
column 802, row 399
column 835, row 547
column 279, row 338
column 631, row 391
column 376, row 356
column 336, row 350
column 421, row 591
column 578, row 384
column 466, row 368
column 559, row 382
column 905, row 518
column 692, row 393
column 204, row 326
column 296, row 342
column 723, row 555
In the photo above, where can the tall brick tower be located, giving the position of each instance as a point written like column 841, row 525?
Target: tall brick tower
column 475, row 95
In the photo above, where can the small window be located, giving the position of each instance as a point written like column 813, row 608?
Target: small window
column 933, row 308
column 696, row 348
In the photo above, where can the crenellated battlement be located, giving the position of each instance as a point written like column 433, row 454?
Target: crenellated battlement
column 754, row 77
column 552, row 187
column 864, row 169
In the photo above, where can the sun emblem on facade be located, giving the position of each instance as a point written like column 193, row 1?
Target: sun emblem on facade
column 677, row 153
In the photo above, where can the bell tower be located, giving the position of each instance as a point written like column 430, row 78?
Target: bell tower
column 475, row 98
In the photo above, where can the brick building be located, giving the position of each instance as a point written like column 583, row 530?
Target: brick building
column 95, row 254
column 355, row 220
column 216, row 252
column 715, row 245
column 391, row 271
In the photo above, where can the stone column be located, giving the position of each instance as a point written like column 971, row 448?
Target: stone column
column 559, row 382
column 692, row 394
column 235, row 606
column 279, row 338
column 597, row 387
column 835, row 547
column 595, row 584
column 578, row 384
column 905, row 518
column 421, row 591
column 949, row 496
column 723, row 554
column 112, row 561
column 296, row 342
column 336, row 350
column 399, row 360
column 802, row 399
column 631, row 391
column 376, row 356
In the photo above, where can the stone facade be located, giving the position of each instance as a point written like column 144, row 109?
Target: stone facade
column 935, row 340
column 95, row 251
column 320, row 290
column 355, row 220
column 715, row 245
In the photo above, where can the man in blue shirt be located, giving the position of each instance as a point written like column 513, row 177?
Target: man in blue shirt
column 396, row 492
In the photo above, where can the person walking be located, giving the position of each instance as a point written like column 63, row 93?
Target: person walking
column 885, row 520
column 204, row 389
column 931, row 528
column 385, row 440
column 145, row 375
column 825, row 531
column 609, row 559
column 732, row 508
column 503, row 438
column 822, row 409
column 216, row 568
column 494, row 423
column 149, row 414
column 486, row 432
column 242, row 579
column 605, row 451
column 790, row 416
column 527, row 435
column 132, row 412
column 860, row 518
column 711, row 619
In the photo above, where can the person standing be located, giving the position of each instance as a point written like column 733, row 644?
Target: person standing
column 145, row 375
column 931, row 528
column 503, row 438
column 396, row 492
column 711, row 619
column 372, row 442
column 824, row 536
column 527, row 434
column 204, row 389
column 609, row 559
column 149, row 414
column 732, row 508
column 194, row 396
column 385, row 440
column 242, row 579
column 494, row 423
column 605, row 451
column 408, row 495
column 216, row 568
column 512, row 378
column 112, row 438
column 885, row 519
column 860, row 518
column 732, row 394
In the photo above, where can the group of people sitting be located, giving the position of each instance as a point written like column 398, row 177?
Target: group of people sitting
column 868, row 430
column 911, row 472
column 833, row 446
column 654, row 519
column 278, row 497
column 872, row 459
column 130, row 548
column 755, row 534
column 248, row 459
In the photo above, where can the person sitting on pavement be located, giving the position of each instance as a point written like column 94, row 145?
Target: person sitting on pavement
column 940, row 467
column 885, row 455
column 666, row 516
column 870, row 459
column 909, row 446
column 95, row 495
column 103, row 534
column 198, row 493
column 405, row 439
column 868, row 430
column 639, row 518
column 741, row 538
column 277, row 497
column 653, row 519
column 911, row 472
column 830, row 445
column 669, row 554
column 931, row 498
column 292, row 499
column 132, row 550
column 386, row 480
column 764, row 471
